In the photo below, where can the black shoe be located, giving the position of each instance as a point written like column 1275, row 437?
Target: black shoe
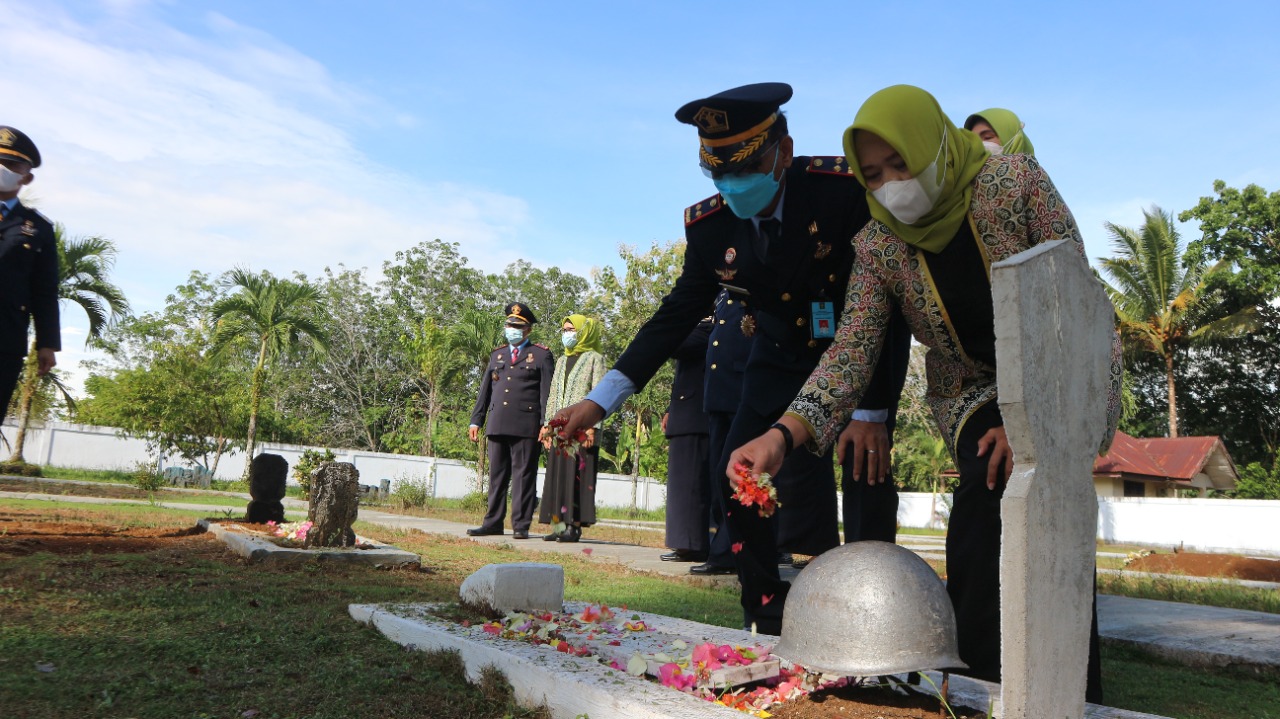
column 709, row 568
column 572, row 534
column 485, row 532
column 551, row 537
column 520, row 534
column 683, row 555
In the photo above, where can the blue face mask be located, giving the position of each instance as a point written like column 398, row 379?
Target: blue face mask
column 748, row 194
column 569, row 339
column 514, row 335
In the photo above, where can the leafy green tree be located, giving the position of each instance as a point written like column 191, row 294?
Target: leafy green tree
column 84, row 266
column 1159, row 292
column 1258, row 482
column 272, row 315
column 1242, row 227
column 437, row 363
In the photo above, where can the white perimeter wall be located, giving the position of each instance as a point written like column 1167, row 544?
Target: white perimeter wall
column 1220, row 525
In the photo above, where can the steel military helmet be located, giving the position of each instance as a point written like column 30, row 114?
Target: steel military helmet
column 867, row 609
column 736, row 127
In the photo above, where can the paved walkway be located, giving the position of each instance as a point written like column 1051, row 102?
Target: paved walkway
column 1185, row 633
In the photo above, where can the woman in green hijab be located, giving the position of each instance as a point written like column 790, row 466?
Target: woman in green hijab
column 569, row 490
column 943, row 211
column 1001, row 132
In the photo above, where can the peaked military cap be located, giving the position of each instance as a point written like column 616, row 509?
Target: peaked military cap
column 518, row 313
column 736, row 126
column 14, row 143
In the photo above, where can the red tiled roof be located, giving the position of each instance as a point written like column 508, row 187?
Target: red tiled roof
column 1178, row 458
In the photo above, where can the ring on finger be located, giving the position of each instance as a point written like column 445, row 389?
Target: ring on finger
column 871, row 451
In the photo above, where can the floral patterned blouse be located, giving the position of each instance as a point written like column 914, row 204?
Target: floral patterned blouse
column 1014, row 208
column 570, row 387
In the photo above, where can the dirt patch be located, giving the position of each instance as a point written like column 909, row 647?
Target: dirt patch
column 21, row 536
column 855, row 702
column 1225, row 566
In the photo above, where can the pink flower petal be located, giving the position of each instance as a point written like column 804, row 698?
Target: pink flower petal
column 586, row 551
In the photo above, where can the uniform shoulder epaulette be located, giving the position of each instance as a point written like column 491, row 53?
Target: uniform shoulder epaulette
column 539, row 344
column 830, row 165
column 495, row 349
column 703, row 209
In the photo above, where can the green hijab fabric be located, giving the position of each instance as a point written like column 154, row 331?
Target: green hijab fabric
column 912, row 122
column 590, row 335
column 1008, row 127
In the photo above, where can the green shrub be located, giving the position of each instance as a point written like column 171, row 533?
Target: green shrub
column 146, row 478
column 411, row 491
column 310, row 460
column 476, row 502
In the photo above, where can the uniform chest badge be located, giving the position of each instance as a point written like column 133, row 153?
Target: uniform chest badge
column 748, row 326
column 813, row 227
column 29, row 228
column 528, row 358
column 730, row 255
column 824, row 249
column 495, row 375
column 725, row 274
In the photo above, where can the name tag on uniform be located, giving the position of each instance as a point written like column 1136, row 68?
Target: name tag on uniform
column 823, row 319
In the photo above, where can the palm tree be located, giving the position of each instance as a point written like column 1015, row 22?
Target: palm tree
column 1158, row 290
column 83, row 266
column 475, row 335
column 275, row 316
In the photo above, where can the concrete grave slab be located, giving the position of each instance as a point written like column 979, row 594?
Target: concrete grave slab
column 256, row 548
column 1054, row 329
column 575, row 686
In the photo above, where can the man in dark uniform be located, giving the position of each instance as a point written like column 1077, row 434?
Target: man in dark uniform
column 511, row 405
column 784, row 244
column 28, row 268
column 688, row 466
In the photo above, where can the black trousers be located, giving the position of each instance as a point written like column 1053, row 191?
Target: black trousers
column 973, row 565
column 10, row 368
column 513, row 463
column 720, row 546
column 688, row 493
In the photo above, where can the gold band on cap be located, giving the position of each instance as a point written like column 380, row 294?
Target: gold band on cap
column 722, row 141
column 15, row 153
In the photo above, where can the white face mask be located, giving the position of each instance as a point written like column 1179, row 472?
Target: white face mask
column 909, row 200
column 994, row 148
column 9, row 180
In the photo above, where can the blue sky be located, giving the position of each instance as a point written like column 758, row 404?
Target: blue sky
column 290, row 135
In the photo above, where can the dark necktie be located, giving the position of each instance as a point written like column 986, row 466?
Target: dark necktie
column 770, row 231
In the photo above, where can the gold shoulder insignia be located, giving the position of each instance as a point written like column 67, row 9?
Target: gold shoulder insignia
column 709, row 206
column 830, row 165
column 539, row 344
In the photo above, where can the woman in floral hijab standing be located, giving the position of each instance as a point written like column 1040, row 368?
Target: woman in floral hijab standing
column 569, row 492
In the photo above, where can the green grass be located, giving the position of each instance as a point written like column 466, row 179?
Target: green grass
column 1134, row 680
column 1210, row 594
column 191, row 630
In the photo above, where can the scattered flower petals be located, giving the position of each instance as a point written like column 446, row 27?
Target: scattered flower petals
column 737, row 547
column 756, row 489
column 586, row 551
column 765, row 599
column 636, row 665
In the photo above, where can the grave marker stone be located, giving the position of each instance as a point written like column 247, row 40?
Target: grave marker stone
column 267, row 476
column 1054, row 328
column 335, row 500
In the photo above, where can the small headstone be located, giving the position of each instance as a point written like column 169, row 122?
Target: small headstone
column 496, row 589
column 267, row 476
column 384, row 489
column 335, row 500
column 1054, row 329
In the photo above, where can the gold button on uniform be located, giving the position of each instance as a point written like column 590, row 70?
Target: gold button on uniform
column 831, row 278
column 799, row 322
column 721, row 321
column 786, row 296
column 504, row 404
column 713, row 365
column 730, row 301
column 813, row 343
column 715, row 343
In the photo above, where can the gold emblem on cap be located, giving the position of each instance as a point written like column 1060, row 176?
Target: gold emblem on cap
column 730, row 255
column 6, row 136
column 754, row 144
column 711, row 120
column 707, row 158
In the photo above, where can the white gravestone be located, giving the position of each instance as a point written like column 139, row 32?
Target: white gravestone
column 1053, row 326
